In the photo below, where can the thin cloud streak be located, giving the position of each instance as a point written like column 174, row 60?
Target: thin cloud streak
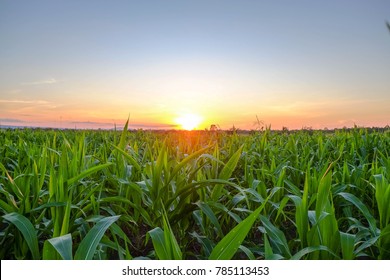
column 152, row 125
column 40, row 102
column 8, row 120
column 131, row 125
column 42, row 82
column 90, row 123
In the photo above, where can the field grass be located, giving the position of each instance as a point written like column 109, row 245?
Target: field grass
column 194, row 195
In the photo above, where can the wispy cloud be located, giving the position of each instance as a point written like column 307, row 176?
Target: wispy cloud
column 41, row 82
column 131, row 125
column 12, row 91
column 152, row 125
column 90, row 123
column 7, row 120
column 39, row 102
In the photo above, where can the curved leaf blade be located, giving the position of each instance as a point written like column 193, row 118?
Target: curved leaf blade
column 63, row 245
column 228, row 246
column 87, row 247
column 363, row 209
column 27, row 230
column 88, row 172
column 158, row 240
column 312, row 249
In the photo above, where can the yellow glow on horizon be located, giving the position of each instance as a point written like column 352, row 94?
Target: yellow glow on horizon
column 189, row 121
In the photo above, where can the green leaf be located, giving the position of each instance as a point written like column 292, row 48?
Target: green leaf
column 186, row 160
column 66, row 219
column 206, row 243
column 49, row 252
column 63, row 245
column 27, row 230
column 384, row 243
column 229, row 167
column 312, row 249
column 160, row 248
column 301, row 218
column 115, row 199
column 48, row 205
column 227, row 172
column 88, row 172
column 6, row 207
column 363, row 208
column 9, row 205
column 193, row 187
column 16, row 190
column 268, row 253
column 347, row 245
column 382, row 195
column 227, row 247
column 277, row 238
column 164, row 242
column 87, row 247
column 247, row 252
column 322, row 202
column 170, row 240
column 122, row 141
column 366, row 244
column 210, row 214
column 267, row 248
column 129, row 158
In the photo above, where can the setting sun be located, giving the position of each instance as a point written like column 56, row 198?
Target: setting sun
column 189, row 121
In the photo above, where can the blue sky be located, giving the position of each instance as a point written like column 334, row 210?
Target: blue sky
column 291, row 63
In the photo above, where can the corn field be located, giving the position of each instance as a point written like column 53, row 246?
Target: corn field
column 194, row 195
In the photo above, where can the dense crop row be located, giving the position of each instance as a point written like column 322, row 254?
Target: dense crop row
column 194, row 195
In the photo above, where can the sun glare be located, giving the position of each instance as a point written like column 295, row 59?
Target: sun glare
column 189, row 121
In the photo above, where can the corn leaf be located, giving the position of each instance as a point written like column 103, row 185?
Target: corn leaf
column 88, row 245
column 27, row 230
column 63, row 245
column 227, row 247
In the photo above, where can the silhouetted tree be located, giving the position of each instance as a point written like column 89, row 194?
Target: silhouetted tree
column 214, row 127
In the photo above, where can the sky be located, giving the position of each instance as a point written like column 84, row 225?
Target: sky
column 247, row 63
